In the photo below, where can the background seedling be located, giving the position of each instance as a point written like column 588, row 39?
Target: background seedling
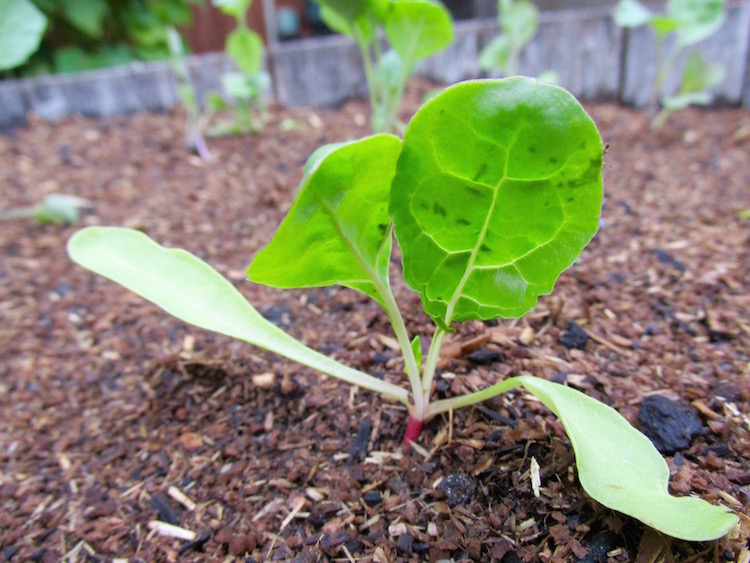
column 519, row 21
column 685, row 23
column 248, row 84
column 494, row 191
column 415, row 29
column 54, row 208
column 195, row 119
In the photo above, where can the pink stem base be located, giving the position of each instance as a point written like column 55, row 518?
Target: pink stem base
column 413, row 430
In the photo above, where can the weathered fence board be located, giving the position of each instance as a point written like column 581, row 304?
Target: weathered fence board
column 583, row 48
column 729, row 46
column 591, row 56
column 318, row 73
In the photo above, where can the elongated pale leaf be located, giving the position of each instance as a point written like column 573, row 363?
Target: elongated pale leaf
column 191, row 290
column 21, row 28
column 620, row 468
column 497, row 191
column 417, row 29
column 338, row 230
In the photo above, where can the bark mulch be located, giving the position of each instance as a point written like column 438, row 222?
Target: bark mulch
column 114, row 415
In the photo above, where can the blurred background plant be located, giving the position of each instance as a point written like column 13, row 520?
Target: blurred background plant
column 683, row 24
column 415, row 29
column 519, row 21
column 248, row 84
column 89, row 34
column 53, row 209
column 196, row 119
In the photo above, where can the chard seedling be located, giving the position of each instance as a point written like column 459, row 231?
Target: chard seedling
column 195, row 119
column 495, row 190
column 415, row 29
column 685, row 23
column 53, row 209
column 246, row 85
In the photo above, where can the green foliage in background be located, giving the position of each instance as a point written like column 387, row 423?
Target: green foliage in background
column 248, row 83
column 89, row 34
column 415, row 30
column 519, row 21
column 21, row 28
column 685, row 23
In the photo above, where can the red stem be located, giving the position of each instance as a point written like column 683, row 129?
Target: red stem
column 413, row 430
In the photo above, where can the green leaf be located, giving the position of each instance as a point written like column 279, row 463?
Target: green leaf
column 86, row 16
column 698, row 77
column 495, row 54
column 662, row 25
column 338, row 230
column 348, row 10
column 519, row 21
column 191, row 290
column 234, row 8
column 696, row 19
column 497, row 191
column 245, row 47
column 417, row 29
column 631, row 13
column 620, row 468
column 22, row 26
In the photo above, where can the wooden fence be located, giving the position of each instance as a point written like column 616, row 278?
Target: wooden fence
column 593, row 58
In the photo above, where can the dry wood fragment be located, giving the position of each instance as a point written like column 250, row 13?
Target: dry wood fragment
column 170, row 530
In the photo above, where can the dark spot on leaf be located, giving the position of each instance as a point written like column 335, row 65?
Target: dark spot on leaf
column 439, row 210
column 482, row 170
column 532, row 149
column 670, row 426
column 463, row 222
column 473, row 191
column 383, row 228
column 570, row 199
column 485, row 248
column 552, row 160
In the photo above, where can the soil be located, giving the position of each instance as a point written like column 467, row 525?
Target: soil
column 114, row 415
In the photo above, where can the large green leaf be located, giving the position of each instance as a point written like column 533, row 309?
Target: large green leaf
column 417, row 29
column 338, row 230
column 21, row 28
column 620, row 468
column 191, row 290
column 497, row 191
column 696, row 19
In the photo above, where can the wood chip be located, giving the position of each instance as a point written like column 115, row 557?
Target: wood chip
column 170, row 530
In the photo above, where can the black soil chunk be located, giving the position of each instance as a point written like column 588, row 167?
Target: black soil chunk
column 670, row 426
column 574, row 336
column 458, row 488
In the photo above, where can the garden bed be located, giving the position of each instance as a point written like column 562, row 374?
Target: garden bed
column 114, row 414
